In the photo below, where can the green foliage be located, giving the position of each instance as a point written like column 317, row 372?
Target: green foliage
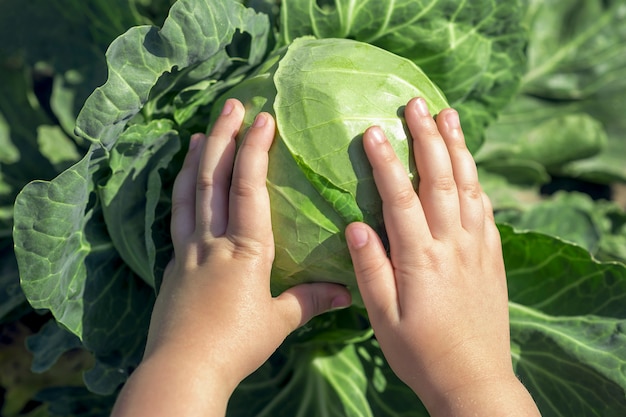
column 51, row 59
column 540, row 92
column 572, row 96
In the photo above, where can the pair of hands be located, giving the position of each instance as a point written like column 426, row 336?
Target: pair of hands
column 438, row 304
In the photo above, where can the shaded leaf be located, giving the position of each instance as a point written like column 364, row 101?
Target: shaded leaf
column 568, row 314
column 75, row 402
column 51, row 244
column 49, row 344
column 131, row 193
column 194, row 33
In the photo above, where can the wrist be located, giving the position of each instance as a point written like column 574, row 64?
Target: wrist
column 174, row 383
column 503, row 395
column 201, row 367
column 204, row 358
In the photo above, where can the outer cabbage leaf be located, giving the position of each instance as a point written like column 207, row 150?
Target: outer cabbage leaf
column 69, row 265
column 56, row 40
column 474, row 51
column 19, row 385
column 193, row 39
column 11, row 295
column 56, row 231
column 50, row 218
column 20, row 158
column 568, row 317
column 324, row 93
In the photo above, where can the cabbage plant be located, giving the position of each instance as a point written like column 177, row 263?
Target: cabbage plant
column 91, row 244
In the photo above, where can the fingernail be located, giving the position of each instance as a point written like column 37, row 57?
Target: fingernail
column 452, row 119
column 194, row 141
column 340, row 301
column 260, row 120
column 377, row 134
column 228, row 108
column 422, row 107
column 358, row 237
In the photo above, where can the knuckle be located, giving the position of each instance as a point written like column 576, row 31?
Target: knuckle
column 428, row 261
column 247, row 249
column 244, row 251
column 444, row 183
column 369, row 271
column 180, row 205
column 431, row 257
column 243, row 188
column 404, row 199
column 205, row 182
column 471, row 190
column 201, row 253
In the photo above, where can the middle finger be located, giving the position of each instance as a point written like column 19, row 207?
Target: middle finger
column 437, row 188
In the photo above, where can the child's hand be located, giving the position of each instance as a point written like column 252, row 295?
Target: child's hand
column 215, row 300
column 215, row 321
column 439, row 304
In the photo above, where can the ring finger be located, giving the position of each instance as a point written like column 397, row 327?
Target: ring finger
column 472, row 212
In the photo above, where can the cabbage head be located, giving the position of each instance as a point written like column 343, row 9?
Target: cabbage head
column 324, row 93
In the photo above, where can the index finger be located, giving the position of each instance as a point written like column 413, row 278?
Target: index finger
column 402, row 210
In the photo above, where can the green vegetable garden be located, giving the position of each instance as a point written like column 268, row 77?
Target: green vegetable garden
column 98, row 101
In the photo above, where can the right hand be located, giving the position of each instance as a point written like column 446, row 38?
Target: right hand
column 438, row 305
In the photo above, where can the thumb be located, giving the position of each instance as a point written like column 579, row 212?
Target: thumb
column 301, row 303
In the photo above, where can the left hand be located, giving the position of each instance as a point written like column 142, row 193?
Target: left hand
column 215, row 307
